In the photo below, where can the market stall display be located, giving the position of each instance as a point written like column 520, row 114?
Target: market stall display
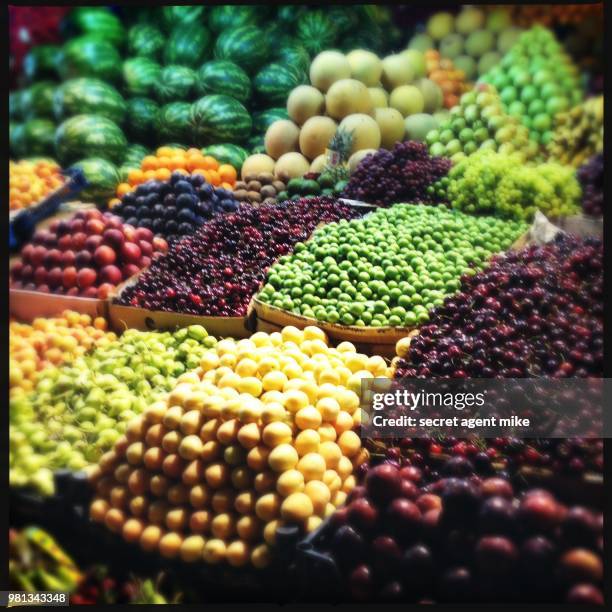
column 276, row 205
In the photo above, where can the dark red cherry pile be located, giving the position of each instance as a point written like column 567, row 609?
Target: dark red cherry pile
column 400, row 175
column 217, row 270
column 590, row 176
column 463, row 539
column 533, row 312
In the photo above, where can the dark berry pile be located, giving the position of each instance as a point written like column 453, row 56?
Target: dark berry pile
column 217, row 270
column 590, row 176
column 534, row 312
column 464, row 538
column 400, row 175
column 176, row 207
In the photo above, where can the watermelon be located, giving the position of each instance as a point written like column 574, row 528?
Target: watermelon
column 141, row 76
column 262, row 120
column 244, row 46
column 41, row 62
column 344, row 18
column 38, row 136
column 315, row 31
column 17, row 140
column 37, row 100
column 89, row 56
column 229, row 16
column 274, row 82
column 140, row 119
column 256, row 144
column 145, row 40
column 85, row 136
column 102, row 176
column 223, row 77
column 293, row 55
column 96, row 21
column 134, row 155
column 176, row 83
column 227, row 154
column 172, row 122
column 91, row 97
column 187, row 45
column 15, row 106
column 290, row 13
column 219, row 118
column 174, row 16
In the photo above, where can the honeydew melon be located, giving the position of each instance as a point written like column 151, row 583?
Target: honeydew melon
column 347, row 97
column 257, row 164
column 327, row 68
column 281, row 137
column 391, row 124
column 407, row 99
column 365, row 66
column 397, row 71
column 291, row 165
column 318, row 163
column 365, row 130
column 379, row 97
column 355, row 158
column 315, row 135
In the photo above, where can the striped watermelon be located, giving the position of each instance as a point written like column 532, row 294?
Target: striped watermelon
column 91, row 97
column 219, row 118
column 41, row 62
column 102, row 176
column 344, row 18
column 38, row 137
column 274, row 82
column 244, row 46
column 85, row 136
column 227, row 154
column 145, row 40
column 176, row 83
column 141, row 76
column 15, row 105
column 140, row 119
column 37, row 100
column 89, row 56
column 173, row 16
column 262, row 120
column 256, row 144
column 172, row 122
column 290, row 13
column 134, row 155
column 187, row 45
column 228, row 16
column 315, row 31
column 223, row 77
column 293, row 55
column 17, row 140
column 96, row 21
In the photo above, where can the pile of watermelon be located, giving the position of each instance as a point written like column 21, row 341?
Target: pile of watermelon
column 180, row 75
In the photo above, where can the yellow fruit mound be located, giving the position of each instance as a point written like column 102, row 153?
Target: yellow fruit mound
column 262, row 435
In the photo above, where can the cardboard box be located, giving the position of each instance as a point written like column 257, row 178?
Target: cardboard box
column 27, row 305
column 370, row 340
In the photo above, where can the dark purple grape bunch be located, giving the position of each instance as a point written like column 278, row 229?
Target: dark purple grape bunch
column 403, row 174
column 176, row 207
column 590, row 176
column 217, row 270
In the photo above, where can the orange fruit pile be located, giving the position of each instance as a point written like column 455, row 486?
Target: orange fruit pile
column 451, row 80
column 31, row 181
column 550, row 15
column 168, row 160
column 50, row 342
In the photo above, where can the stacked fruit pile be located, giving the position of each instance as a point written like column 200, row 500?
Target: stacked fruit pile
column 536, row 81
column 217, row 270
column 347, row 89
column 260, row 438
column 388, row 269
column 176, row 207
column 30, row 182
column 77, row 412
column 87, row 256
column 492, row 183
column 447, row 76
column 260, row 188
column 578, row 133
column 590, row 176
column 480, row 122
column 473, row 40
column 464, row 538
column 401, row 175
column 51, row 342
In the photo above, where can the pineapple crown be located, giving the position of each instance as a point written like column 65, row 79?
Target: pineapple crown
column 341, row 143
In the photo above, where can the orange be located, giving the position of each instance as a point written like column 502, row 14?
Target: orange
column 226, row 185
column 227, row 173
column 163, row 161
column 149, row 175
column 194, row 162
column 215, row 179
column 135, row 176
column 176, row 162
column 210, row 163
column 112, row 203
column 164, row 151
column 163, row 174
column 193, row 151
column 123, row 188
column 149, row 162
